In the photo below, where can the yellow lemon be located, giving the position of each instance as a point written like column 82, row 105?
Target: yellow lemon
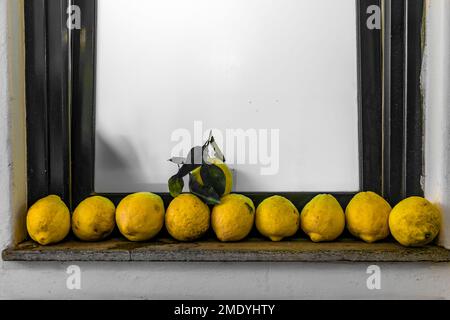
column 140, row 216
column 276, row 218
column 367, row 217
column 187, row 218
column 48, row 220
column 232, row 219
column 415, row 222
column 94, row 219
column 323, row 219
column 226, row 171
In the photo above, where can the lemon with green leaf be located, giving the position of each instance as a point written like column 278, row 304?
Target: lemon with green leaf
column 225, row 187
column 209, row 177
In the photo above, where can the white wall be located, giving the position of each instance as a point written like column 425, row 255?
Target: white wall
column 224, row 280
column 175, row 280
column 284, row 72
column 436, row 83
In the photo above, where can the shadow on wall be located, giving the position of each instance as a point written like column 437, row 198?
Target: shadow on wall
column 113, row 163
column 118, row 167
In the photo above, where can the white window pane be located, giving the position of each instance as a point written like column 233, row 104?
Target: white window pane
column 258, row 65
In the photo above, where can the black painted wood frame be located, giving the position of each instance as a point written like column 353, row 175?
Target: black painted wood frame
column 47, row 96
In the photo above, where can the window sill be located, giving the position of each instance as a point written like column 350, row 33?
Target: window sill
column 345, row 250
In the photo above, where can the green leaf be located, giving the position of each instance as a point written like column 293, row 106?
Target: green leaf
column 176, row 185
column 205, row 192
column 213, row 176
column 186, row 169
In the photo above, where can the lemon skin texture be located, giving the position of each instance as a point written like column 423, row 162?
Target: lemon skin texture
column 415, row 222
column 187, row 218
column 94, row 219
column 323, row 218
column 367, row 216
column 233, row 218
column 226, row 171
column 140, row 216
column 277, row 218
column 48, row 220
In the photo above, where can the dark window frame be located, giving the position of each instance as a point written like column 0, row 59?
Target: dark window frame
column 48, row 116
column 61, row 117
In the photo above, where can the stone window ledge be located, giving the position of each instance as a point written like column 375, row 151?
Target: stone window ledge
column 301, row 250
